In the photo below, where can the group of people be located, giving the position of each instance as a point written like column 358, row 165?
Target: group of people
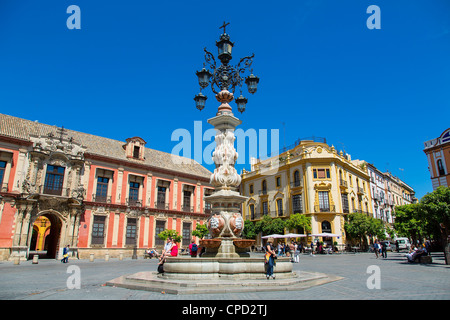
column 171, row 250
column 380, row 249
column 291, row 250
column 418, row 251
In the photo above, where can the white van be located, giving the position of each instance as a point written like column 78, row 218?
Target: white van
column 403, row 243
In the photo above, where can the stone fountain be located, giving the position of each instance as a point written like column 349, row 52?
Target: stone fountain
column 227, row 265
column 227, row 254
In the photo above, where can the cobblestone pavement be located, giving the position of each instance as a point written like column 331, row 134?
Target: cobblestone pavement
column 398, row 280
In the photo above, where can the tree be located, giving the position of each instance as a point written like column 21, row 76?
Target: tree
column 170, row 233
column 359, row 226
column 409, row 221
column 249, row 231
column 267, row 225
column 201, row 230
column 436, row 208
column 299, row 221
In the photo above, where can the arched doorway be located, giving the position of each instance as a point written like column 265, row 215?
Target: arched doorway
column 46, row 236
column 326, row 228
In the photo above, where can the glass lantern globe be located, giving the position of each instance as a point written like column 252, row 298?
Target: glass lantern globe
column 200, row 101
column 252, row 83
column 241, row 103
column 203, row 77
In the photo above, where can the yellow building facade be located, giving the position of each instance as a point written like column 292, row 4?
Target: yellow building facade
column 312, row 179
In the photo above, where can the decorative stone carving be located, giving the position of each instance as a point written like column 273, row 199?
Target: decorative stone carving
column 216, row 224
column 236, row 224
column 224, row 156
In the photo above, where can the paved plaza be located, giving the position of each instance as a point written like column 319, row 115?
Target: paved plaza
column 397, row 280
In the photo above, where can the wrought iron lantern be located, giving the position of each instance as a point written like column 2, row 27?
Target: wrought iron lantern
column 200, row 101
column 252, row 83
column 203, row 77
column 225, row 46
column 241, row 103
column 225, row 77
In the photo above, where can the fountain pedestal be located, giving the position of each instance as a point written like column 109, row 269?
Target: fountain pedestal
column 227, row 254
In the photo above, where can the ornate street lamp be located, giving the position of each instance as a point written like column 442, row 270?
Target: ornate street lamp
column 225, row 78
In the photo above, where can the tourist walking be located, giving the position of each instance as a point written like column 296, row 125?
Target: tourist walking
column 269, row 259
column 296, row 253
column 384, row 250
column 65, row 258
column 376, row 248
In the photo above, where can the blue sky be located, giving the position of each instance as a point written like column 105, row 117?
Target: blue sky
column 130, row 71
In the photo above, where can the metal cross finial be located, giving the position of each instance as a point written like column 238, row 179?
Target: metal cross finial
column 223, row 26
column 62, row 133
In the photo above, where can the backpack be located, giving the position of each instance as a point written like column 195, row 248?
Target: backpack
column 194, row 247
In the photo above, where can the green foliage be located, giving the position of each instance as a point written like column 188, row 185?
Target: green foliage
column 409, row 221
column 359, row 226
column 425, row 218
column 249, row 231
column 170, row 233
column 201, row 230
column 267, row 225
column 436, row 206
column 299, row 221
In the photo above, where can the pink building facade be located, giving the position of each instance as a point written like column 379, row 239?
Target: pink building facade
column 102, row 196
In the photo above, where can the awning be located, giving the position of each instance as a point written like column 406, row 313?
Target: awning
column 325, row 234
column 275, row 236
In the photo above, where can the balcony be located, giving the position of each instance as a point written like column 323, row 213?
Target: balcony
column 343, row 183
column 360, row 190
column 276, row 213
column 296, row 184
column 55, row 191
column 187, row 208
column 101, row 198
column 132, row 202
column 262, row 192
column 4, row 187
column 360, row 211
column 324, row 208
column 161, row 205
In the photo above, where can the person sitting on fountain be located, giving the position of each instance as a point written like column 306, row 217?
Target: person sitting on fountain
column 167, row 251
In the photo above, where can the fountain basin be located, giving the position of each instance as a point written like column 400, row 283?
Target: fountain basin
column 243, row 243
column 223, row 268
column 210, row 243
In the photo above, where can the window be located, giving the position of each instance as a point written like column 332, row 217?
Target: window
column 186, row 240
column 324, row 203
column 187, row 201
column 161, row 198
column 54, row 180
column 2, row 173
column 265, row 208
column 296, row 178
column 264, row 186
column 278, row 181
column 297, row 203
column 131, row 231
column 326, row 227
column 98, row 230
column 252, row 211
column 344, row 198
column 133, row 197
column 321, row 173
column 280, row 207
column 440, row 167
column 136, row 152
column 251, row 189
column 102, row 189
column 160, row 226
